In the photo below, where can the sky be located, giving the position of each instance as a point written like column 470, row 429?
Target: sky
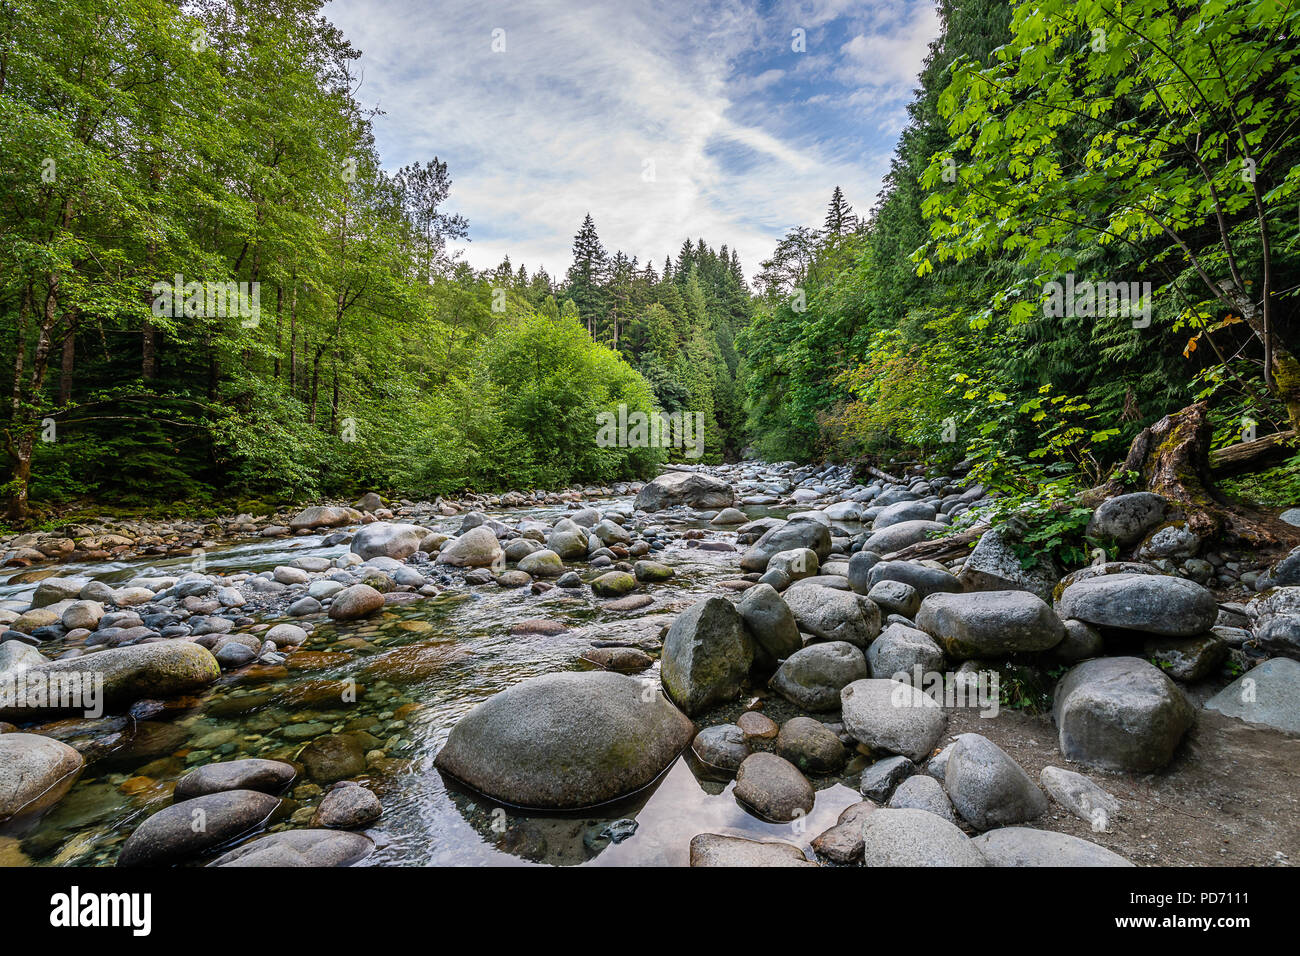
column 727, row 120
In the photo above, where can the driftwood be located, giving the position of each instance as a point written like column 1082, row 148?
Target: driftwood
column 875, row 472
column 940, row 549
column 1249, row 455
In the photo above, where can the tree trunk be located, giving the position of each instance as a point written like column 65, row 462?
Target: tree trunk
column 1172, row 459
column 1250, row 456
column 68, row 368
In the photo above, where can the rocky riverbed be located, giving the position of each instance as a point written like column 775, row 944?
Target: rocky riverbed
column 730, row 665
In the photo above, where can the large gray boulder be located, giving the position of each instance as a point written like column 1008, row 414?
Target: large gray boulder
column 987, row 787
column 1120, row 713
column 706, row 655
column 1276, row 627
column 832, row 614
column 798, row 533
column 771, row 624
column 192, row 827
column 1267, row 694
column 691, row 488
column 1154, row 604
column 923, row 579
column 1023, row 846
column 387, row 539
column 1085, row 799
column 892, row 716
column 989, row 623
column 908, row 837
column 1127, row 518
column 813, row 677
column 35, row 773
column 476, row 548
column 903, row 511
column 899, row 536
column 140, row 671
column 994, row 565
column 901, row 649
column 291, row 848
column 922, row 792
column 566, row 741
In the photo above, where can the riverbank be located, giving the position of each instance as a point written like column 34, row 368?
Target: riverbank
column 328, row 693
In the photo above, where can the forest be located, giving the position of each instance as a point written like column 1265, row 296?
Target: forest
column 221, row 146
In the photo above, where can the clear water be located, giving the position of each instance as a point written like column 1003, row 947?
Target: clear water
column 418, row 668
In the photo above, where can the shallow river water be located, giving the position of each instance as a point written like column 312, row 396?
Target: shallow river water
column 417, row 668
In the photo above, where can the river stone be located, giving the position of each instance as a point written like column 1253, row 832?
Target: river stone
column 915, row 838
column 832, row 614
column 314, row 848
column 569, row 545
column 1155, row 604
column 899, row 536
column 994, row 565
column 286, row 635
column 347, row 807
column 85, row 614
column 926, row 580
column 385, row 539
column 651, row 571
column 544, row 563
column 895, row 597
column 900, row 649
column 613, row 584
column 1267, row 694
column 354, row 602
column 1187, row 658
column 153, row 671
column 1120, row 713
column 903, row 511
column 252, row 773
column 789, row 536
column 322, row 516
column 842, row 843
column 1173, row 540
column 729, row 516
column 722, row 746
column 922, row 792
column 812, row 678
column 989, row 623
column 1024, row 846
column 706, row 655
column 796, row 564
column 892, row 716
column 880, row 778
column 770, row 623
column 476, row 548
column 35, row 773
column 566, row 741
column 695, row 489
column 1085, row 799
column 987, row 787
column 1127, row 518
column 53, row 590
column 716, row 849
column 811, row 746
column 187, row 829
column 18, row 656
column 774, row 788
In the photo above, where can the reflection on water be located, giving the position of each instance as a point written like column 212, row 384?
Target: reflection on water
column 417, row 669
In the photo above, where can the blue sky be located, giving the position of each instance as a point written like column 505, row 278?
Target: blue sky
column 663, row 120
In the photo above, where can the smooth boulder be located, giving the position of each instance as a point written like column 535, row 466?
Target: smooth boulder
column 35, row 773
column 695, row 489
column 566, row 741
column 1151, row 603
column 892, row 716
column 706, row 655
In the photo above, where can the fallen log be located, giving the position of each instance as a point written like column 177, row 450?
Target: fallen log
column 1250, row 455
column 940, row 549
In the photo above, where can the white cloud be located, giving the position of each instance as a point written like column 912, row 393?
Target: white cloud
column 565, row 120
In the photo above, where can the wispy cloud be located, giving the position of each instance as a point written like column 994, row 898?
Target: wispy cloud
column 663, row 120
